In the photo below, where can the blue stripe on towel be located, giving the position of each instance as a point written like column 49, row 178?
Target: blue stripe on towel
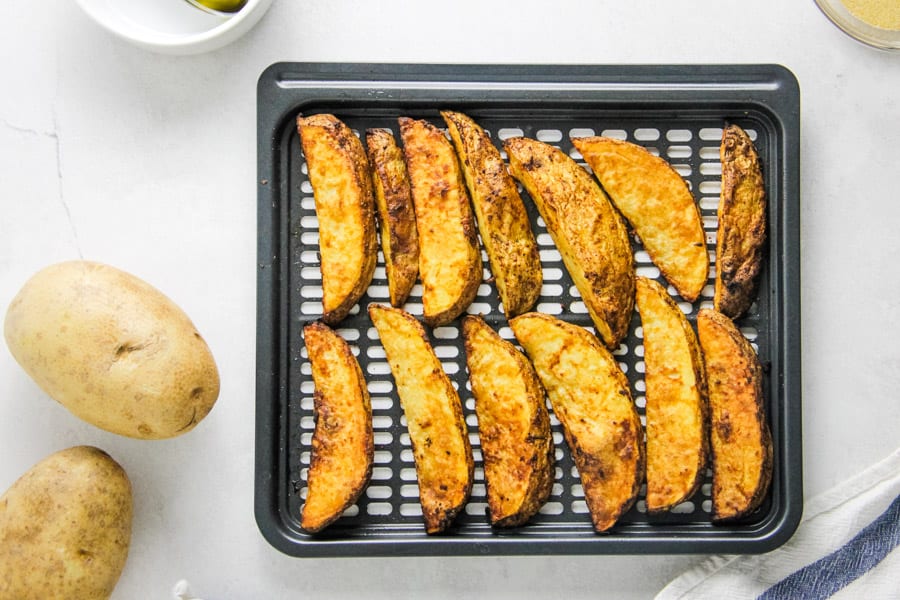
column 830, row 573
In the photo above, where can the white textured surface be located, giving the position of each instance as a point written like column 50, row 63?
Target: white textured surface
column 148, row 162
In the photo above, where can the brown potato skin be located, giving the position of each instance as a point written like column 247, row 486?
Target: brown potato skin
column 742, row 453
column 589, row 233
column 502, row 221
column 450, row 265
column 339, row 175
column 590, row 397
column 112, row 349
column 343, row 446
column 445, row 467
column 741, row 234
column 677, row 407
column 657, row 202
column 65, row 528
column 513, row 425
column 395, row 212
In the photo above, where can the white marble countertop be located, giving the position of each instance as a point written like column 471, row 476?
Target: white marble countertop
column 148, row 162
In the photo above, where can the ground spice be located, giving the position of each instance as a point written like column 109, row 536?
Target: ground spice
column 884, row 14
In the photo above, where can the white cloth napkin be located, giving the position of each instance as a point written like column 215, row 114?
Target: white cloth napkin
column 845, row 547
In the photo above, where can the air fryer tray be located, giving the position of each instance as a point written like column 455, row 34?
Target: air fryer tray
column 678, row 112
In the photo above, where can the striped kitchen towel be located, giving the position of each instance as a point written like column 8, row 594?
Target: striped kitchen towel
column 845, row 547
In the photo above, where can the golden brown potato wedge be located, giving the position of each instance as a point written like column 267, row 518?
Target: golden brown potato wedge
column 434, row 416
column 589, row 233
column 513, row 425
column 343, row 442
column 676, row 410
column 739, row 432
column 449, row 258
column 742, row 224
column 659, row 205
column 590, row 397
column 396, row 216
column 339, row 175
column 502, row 220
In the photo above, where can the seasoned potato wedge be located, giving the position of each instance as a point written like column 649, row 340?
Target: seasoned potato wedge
column 676, row 410
column 513, row 425
column 739, row 432
column 590, row 397
column 343, row 442
column 449, row 258
column 434, row 416
column 396, row 216
column 659, row 205
column 589, row 233
column 502, row 220
column 742, row 224
column 339, row 175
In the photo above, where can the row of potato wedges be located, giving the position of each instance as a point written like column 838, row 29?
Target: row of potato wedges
column 422, row 195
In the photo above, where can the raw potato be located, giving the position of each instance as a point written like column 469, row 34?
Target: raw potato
column 343, row 446
column 396, row 215
column 339, row 175
column 659, row 205
column 741, row 441
column 742, row 224
column 65, row 528
column 445, row 468
column 513, row 425
column 589, row 233
column 676, row 410
column 590, row 397
column 502, row 220
column 113, row 350
column 449, row 259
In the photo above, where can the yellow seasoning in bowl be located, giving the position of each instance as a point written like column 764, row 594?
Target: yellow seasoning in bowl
column 883, row 14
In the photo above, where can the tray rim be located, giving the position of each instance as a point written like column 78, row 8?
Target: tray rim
column 768, row 87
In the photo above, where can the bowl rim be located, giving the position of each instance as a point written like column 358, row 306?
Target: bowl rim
column 253, row 10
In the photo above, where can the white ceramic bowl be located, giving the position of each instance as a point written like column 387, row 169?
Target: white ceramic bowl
column 840, row 15
column 172, row 26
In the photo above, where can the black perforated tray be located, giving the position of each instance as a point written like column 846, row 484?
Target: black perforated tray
column 678, row 112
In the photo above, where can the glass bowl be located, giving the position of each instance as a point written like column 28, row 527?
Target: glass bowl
column 865, row 32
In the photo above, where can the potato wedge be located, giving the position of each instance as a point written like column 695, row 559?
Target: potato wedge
column 343, row 441
column 590, row 396
column 741, row 232
column 676, row 410
column 434, row 416
column 449, row 258
column 657, row 202
column 396, row 216
column 589, row 233
column 502, row 221
column 739, row 432
column 339, row 175
column 513, row 425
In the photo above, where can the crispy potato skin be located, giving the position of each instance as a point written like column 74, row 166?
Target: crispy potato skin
column 513, row 425
column 449, row 258
column 741, row 442
column 445, row 468
column 589, row 233
column 112, row 349
column 65, row 528
column 502, row 220
column 657, row 202
column 339, row 175
column 343, row 446
column 742, row 224
column 590, row 397
column 676, row 411
column 396, row 215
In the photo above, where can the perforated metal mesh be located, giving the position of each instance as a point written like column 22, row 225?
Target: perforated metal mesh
column 390, row 506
